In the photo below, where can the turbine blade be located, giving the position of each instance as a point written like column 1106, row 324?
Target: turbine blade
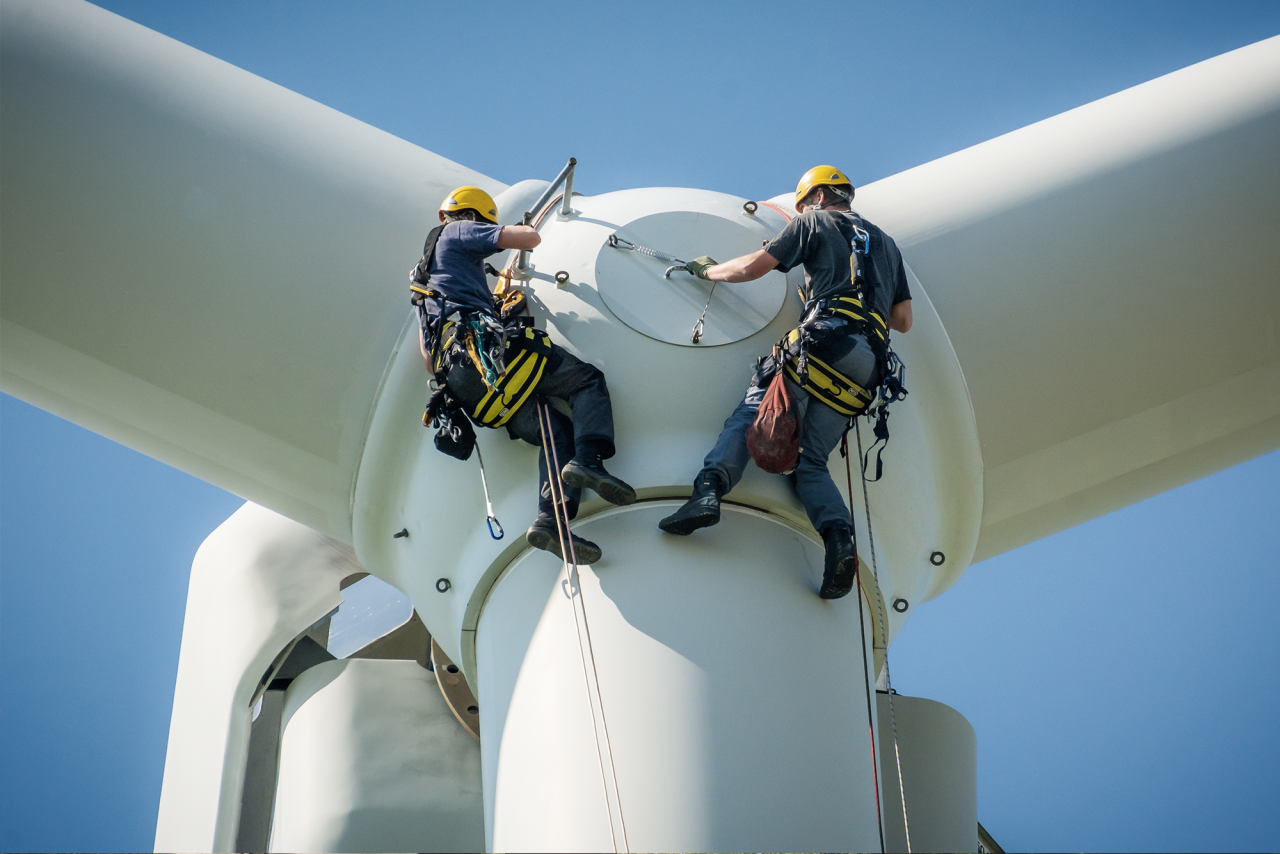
column 1110, row 280
column 198, row 263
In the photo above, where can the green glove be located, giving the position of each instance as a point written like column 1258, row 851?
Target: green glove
column 699, row 266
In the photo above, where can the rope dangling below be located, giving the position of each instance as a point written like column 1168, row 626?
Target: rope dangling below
column 586, row 651
column 884, row 636
column 862, row 634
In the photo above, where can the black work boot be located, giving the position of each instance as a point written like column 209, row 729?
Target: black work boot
column 840, row 565
column 586, row 471
column 544, row 535
column 701, row 510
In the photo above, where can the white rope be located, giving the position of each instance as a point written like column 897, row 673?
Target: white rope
column 884, row 633
column 586, row 652
column 862, row 636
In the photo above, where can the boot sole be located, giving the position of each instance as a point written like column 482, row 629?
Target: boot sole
column 587, row 552
column 841, row 582
column 686, row 526
column 609, row 488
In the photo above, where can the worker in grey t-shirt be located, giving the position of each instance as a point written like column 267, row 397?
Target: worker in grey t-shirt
column 834, row 244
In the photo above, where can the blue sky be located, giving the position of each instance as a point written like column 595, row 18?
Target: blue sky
column 1121, row 676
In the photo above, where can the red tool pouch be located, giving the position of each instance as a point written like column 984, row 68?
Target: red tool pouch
column 774, row 439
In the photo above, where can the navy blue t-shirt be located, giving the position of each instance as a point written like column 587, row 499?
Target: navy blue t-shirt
column 457, row 268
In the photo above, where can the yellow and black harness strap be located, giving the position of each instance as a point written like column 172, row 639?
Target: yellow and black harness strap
column 851, row 307
column 444, row 341
column 527, row 353
column 827, row 384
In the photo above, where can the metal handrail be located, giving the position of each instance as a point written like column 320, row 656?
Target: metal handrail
column 566, row 178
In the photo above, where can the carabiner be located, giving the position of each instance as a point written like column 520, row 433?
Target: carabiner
column 493, row 522
column 697, row 331
column 617, row 242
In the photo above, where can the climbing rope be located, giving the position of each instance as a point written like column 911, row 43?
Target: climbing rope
column 586, row 651
column 884, row 634
column 862, row 634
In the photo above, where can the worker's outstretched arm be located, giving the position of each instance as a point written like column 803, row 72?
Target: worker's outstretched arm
column 744, row 268
column 900, row 316
column 518, row 237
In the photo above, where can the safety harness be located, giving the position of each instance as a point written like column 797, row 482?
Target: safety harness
column 829, row 385
column 507, row 351
column 816, row 376
column 509, row 354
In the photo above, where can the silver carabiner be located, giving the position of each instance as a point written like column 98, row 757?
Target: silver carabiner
column 491, row 518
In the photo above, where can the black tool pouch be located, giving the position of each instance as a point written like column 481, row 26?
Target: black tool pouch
column 456, row 437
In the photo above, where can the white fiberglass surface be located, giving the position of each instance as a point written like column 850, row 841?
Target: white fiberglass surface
column 633, row 286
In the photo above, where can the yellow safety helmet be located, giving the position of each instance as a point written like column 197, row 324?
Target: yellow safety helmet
column 470, row 197
column 818, row 176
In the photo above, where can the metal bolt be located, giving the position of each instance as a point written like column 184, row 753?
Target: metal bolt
column 403, row 532
column 750, row 207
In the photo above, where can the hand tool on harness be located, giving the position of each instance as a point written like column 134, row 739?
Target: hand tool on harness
column 676, row 265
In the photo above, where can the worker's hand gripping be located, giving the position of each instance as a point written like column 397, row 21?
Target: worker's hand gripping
column 699, row 266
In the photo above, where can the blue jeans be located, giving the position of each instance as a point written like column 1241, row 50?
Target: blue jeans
column 821, row 428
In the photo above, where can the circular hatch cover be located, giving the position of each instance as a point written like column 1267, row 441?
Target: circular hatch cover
column 632, row 285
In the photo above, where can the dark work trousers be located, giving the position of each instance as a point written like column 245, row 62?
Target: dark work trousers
column 820, row 431
column 579, row 385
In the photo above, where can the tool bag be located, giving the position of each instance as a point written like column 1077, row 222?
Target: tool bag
column 456, row 437
column 773, row 439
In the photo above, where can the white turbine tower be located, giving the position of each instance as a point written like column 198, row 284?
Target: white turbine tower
column 242, row 316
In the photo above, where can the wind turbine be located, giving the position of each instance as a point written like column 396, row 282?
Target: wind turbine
column 197, row 187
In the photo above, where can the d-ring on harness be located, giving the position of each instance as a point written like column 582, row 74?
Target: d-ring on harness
column 621, row 243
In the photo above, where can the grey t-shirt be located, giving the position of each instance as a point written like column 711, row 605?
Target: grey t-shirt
column 820, row 240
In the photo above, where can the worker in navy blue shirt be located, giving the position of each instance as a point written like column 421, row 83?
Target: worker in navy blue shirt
column 453, row 271
column 824, row 238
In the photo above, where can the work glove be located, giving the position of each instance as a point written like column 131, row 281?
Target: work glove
column 698, row 266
